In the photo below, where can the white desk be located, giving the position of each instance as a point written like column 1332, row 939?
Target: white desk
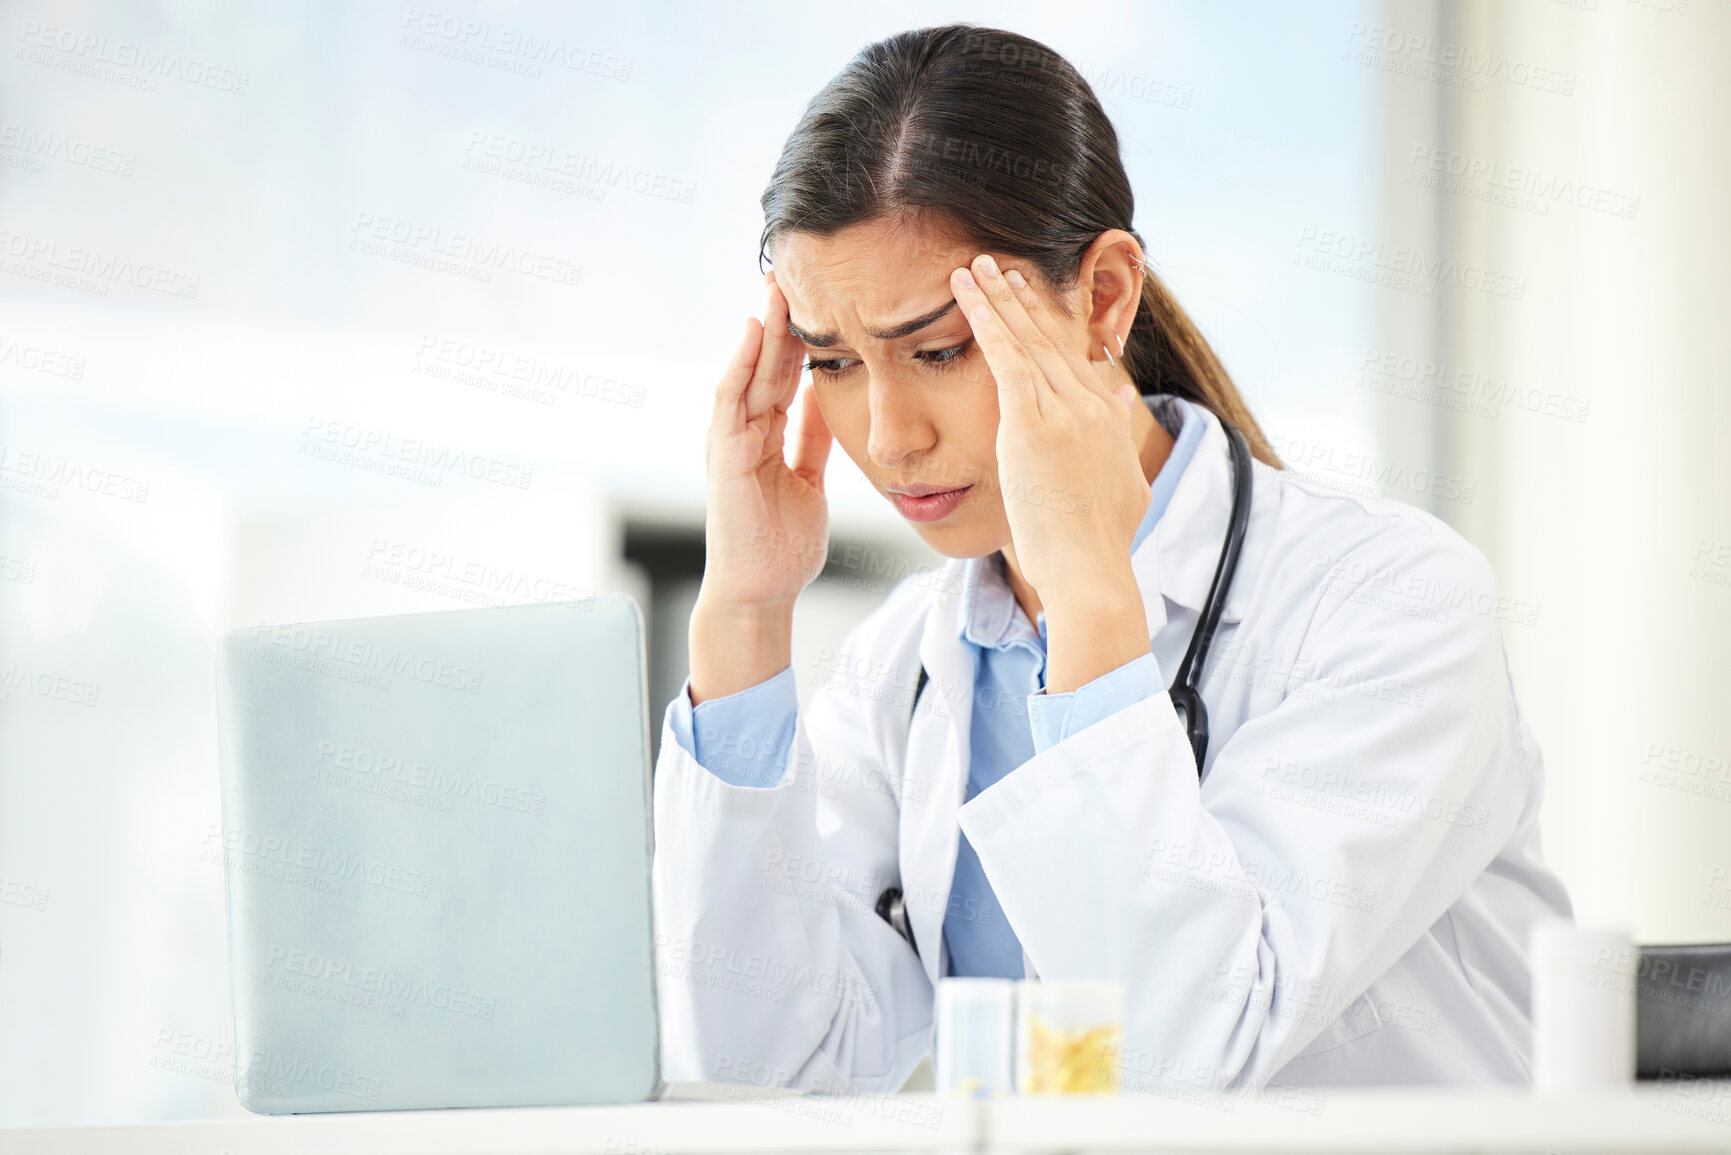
column 1651, row 1121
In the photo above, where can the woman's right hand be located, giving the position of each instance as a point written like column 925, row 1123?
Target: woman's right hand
column 766, row 530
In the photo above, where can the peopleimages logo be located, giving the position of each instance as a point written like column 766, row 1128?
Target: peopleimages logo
column 473, row 256
column 1400, row 267
column 1452, row 63
column 48, row 685
column 366, row 655
column 94, row 269
column 581, row 167
column 1477, row 172
column 40, row 360
column 35, row 147
column 382, row 981
column 41, row 474
column 334, row 439
column 86, row 52
column 473, row 40
column 327, row 866
column 270, row 1069
column 542, row 379
column 439, row 782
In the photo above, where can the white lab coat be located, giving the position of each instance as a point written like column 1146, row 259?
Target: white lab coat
column 1344, row 899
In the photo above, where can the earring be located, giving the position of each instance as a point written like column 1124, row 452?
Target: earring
column 1108, row 353
column 1120, row 344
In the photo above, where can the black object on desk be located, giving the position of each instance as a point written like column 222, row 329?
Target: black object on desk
column 1683, row 1011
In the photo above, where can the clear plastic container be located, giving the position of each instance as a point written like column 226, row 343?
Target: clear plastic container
column 973, row 1050
column 1069, row 1034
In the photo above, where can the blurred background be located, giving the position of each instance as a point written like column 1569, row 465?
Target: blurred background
column 1473, row 257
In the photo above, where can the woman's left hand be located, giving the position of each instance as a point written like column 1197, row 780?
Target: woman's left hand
column 1068, row 468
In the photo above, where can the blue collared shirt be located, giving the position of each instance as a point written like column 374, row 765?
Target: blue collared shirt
column 745, row 738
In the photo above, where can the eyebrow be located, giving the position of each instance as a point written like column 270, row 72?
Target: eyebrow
column 893, row 333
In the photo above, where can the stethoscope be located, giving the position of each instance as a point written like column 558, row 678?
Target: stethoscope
column 1186, row 698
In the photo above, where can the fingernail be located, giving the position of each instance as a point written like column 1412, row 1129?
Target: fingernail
column 1015, row 279
column 981, row 314
column 988, row 267
column 965, row 279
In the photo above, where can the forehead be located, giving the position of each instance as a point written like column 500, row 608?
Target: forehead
column 871, row 274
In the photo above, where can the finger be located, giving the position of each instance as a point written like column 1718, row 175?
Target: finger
column 1046, row 320
column 1062, row 367
column 793, row 361
column 770, row 387
column 729, row 415
column 1019, row 380
column 811, row 450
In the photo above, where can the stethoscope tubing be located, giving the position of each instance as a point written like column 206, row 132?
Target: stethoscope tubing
column 1186, row 697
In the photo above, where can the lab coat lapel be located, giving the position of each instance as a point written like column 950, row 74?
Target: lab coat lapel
column 938, row 747
column 1145, row 565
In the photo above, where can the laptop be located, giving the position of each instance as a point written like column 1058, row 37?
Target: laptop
column 437, row 844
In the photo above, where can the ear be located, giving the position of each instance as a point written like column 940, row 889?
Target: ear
column 1112, row 274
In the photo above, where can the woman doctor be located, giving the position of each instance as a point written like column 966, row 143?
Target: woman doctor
column 1342, row 893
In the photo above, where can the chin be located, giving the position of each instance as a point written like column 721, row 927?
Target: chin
column 961, row 540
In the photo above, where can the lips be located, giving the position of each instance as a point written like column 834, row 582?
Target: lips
column 928, row 502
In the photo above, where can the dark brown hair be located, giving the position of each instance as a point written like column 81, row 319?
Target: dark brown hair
column 1004, row 140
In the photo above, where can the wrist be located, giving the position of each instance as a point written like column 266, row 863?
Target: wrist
column 756, row 616
column 1087, row 590
column 735, row 647
column 1094, row 633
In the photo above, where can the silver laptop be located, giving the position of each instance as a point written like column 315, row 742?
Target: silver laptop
column 437, row 842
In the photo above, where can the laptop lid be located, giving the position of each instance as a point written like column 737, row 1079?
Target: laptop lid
column 437, row 843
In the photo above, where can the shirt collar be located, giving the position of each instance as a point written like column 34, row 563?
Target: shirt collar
column 1186, row 429
column 988, row 616
column 988, row 605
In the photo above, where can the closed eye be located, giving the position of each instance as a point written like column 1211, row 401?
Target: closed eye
column 943, row 358
column 935, row 358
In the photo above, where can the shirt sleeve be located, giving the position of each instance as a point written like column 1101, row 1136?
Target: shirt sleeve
column 1055, row 717
column 744, row 738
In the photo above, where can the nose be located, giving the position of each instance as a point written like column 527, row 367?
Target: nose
column 900, row 427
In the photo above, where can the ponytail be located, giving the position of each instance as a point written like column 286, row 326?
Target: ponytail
column 1167, row 353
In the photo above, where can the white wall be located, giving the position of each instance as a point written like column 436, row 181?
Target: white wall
column 1593, row 414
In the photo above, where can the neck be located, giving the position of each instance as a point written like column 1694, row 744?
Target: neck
column 1154, row 446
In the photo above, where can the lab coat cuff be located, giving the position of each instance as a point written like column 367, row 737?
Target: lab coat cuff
column 1055, row 717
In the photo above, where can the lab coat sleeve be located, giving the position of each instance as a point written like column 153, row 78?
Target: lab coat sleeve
column 1334, row 829
column 774, row 967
